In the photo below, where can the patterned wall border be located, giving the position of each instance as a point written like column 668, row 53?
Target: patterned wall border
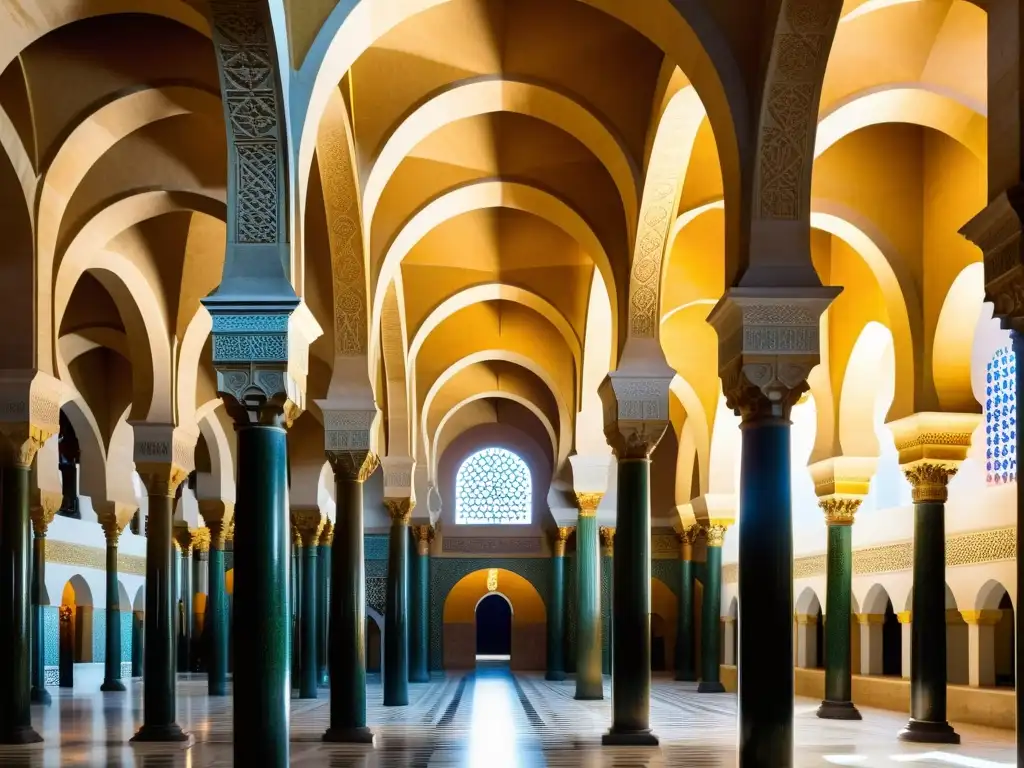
column 489, row 545
column 69, row 553
column 961, row 549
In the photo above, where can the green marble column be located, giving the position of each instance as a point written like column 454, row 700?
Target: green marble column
column 838, row 703
column 419, row 627
column 42, row 516
column 927, row 722
column 112, row 657
column 556, row 603
column 138, row 644
column 323, row 591
column 589, row 680
column 631, row 611
column 217, row 613
column 396, row 614
column 607, row 536
column 686, row 639
column 309, row 633
column 347, row 644
column 711, row 615
column 15, row 627
column 183, row 535
column 296, row 606
column 262, row 681
column 159, row 702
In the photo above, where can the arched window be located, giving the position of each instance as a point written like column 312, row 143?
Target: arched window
column 493, row 486
column 1001, row 418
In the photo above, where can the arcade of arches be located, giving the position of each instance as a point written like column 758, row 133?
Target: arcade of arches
column 636, row 367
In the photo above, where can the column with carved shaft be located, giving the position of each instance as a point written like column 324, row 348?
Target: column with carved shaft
column 112, row 528
column 636, row 417
column 161, row 478
column 217, row 515
column 396, row 614
column 323, row 591
column 19, row 442
column 308, row 524
column 711, row 616
column 838, row 703
column 347, row 643
column 42, row 515
column 419, row 627
column 606, row 534
column 183, row 535
column 556, row 607
column 686, row 662
column 589, row 680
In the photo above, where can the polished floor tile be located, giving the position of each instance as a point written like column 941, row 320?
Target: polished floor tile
column 490, row 719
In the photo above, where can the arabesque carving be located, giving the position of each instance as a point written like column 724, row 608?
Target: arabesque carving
column 839, row 510
column 400, row 510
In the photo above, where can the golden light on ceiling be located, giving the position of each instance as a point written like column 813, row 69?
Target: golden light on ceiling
column 492, row 579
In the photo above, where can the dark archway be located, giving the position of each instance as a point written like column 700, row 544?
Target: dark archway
column 69, row 456
column 372, row 645
column 892, row 643
column 1005, row 666
column 494, row 627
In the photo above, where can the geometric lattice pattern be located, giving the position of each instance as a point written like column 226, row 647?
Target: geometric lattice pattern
column 1001, row 418
column 493, row 486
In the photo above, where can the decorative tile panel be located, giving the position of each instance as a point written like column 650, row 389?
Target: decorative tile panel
column 486, row 545
column 1001, row 418
column 51, row 636
column 99, row 635
column 375, row 547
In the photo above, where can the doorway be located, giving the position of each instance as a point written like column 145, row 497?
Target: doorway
column 494, row 628
column 372, row 645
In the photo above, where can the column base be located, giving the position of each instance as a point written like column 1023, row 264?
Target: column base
column 710, row 686
column 113, row 686
column 20, row 734
column 350, row 736
column 838, row 710
column 40, row 696
column 627, row 738
column 151, row 733
column 928, row 732
column 555, row 676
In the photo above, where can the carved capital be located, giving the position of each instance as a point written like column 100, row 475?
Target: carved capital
column 929, row 481
column 348, row 426
column 607, row 534
column 202, row 540
column 398, row 474
column 308, row 522
column 43, row 510
column 562, row 534
column 183, row 538
column 111, row 529
column 635, row 412
column 714, row 535
column 326, row 534
column 687, row 537
column 215, row 510
column 164, row 456
column 161, row 479
column 424, row 534
column 400, row 510
column 768, row 341
column 218, row 530
column 588, row 503
column 29, row 414
column 996, row 230
column 354, row 466
column 839, row 510
column 931, row 446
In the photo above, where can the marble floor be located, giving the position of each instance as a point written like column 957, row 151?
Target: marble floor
column 491, row 719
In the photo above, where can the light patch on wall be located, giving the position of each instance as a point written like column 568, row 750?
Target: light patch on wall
column 492, row 579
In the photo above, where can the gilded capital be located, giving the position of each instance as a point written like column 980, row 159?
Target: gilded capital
column 353, row 466
column 687, row 537
column 183, row 538
column 400, row 510
column 307, row 523
column 714, row 535
column 839, row 510
column 201, row 540
column 588, row 503
column 327, row 534
column 607, row 534
column 161, row 479
column 424, row 534
column 111, row 529
column 218, row 530
column 929, row 481
column 43, row 510
column 562, row 534
column 219, row 517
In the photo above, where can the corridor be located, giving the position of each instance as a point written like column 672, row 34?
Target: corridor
column 490, row 719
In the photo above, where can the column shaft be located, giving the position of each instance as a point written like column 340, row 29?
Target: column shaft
column 15, row 629
column 346, row 652
column 765, row 595
column 158, row 694
column 420, row 625
column 589, row 680
column 711, row 622
column 184, row 610
column 324, row 569
column 262, row 682
column 631, row 607
column 39, row 694
column 838, row 703
column 112, row 659
column 309, row 632
column 686, row 664
column 217, row 628
column 556, row 616
column 396, row 614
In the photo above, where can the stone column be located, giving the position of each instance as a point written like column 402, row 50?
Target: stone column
column 906, row 645
column 183, row 535
column 217, row 515
column 161, row 478
column 295, row 598
column 308, row 524
column 871, row 657
column 42, row 515
column 19, row 443
column 710, row 673
column 838, row 702
column 396, row 614
column 556, row 607
column 606, row 534
column 201, row 586
column 112, row 658
column 930, row 447
column 686, row 661
column 981, row 643
column 419, row 627
column 323, row 593
column 347, row 644
column 589, row 680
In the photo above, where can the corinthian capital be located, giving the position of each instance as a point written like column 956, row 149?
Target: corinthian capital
column 400, row 510
column 931, row 446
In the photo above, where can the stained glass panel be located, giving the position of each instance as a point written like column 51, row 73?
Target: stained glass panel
column 1001, row 418
column 493, row 486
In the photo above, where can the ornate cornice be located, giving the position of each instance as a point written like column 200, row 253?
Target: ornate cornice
column 400, row 510
column 588, row 503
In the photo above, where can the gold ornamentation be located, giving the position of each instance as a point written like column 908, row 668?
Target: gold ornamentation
column 838, row 510
column 218, row 530
column 607, row 534
column 111, row 529
column 64, row 614
column 983, row 617
column 588, row 503
column 183, row 536
column 930, row 481
column 69, row 553
column 44, row 511
column 562, row 534
column 201, row 540
column 161, row 478
column 327, row 534
column 424, row 534
column 492, row 579
column 714, row 534
column 687, row 537
column 353, row 466
column 400, row 510
column 307, row 523
column 19, row 444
